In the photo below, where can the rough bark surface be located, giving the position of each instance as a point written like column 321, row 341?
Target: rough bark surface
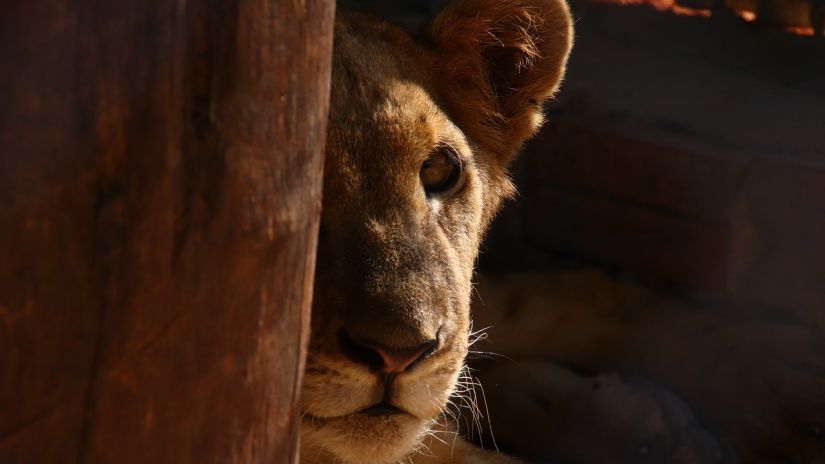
column 160, row 182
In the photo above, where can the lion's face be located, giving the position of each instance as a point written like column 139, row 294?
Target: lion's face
column 414, row 172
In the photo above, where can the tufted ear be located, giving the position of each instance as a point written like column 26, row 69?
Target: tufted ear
column 497, row 62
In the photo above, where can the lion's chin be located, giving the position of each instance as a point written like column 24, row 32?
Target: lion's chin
column 362, row 438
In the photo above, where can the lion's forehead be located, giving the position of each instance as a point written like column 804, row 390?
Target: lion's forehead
column 385, row 110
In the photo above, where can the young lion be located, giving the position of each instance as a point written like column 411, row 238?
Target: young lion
column 420, row 135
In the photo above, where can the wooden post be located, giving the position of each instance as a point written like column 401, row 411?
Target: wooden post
column 160, row 182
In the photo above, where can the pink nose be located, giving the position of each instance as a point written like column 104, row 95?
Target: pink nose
column 398, row 360
column 387, row 359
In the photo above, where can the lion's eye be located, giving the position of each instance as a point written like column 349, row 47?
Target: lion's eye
column 440, row 172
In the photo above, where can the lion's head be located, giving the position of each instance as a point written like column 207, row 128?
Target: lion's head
column 420, row 135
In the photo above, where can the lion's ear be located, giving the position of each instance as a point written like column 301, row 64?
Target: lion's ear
column 498, row 61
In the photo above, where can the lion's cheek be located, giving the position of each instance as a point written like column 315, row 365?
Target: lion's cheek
column 338, row 390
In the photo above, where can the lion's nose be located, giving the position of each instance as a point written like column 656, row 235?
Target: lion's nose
column 390, row 360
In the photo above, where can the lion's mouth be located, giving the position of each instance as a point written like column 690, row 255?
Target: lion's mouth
column 383, row 408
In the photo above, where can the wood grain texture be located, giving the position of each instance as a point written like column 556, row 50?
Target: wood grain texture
column 160, row 182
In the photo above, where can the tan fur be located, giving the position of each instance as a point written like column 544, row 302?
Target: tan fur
column 394, row 266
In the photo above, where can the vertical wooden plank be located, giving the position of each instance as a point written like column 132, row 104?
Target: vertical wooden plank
column 160, row 182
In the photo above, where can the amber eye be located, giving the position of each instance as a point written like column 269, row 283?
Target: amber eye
column 441, row 171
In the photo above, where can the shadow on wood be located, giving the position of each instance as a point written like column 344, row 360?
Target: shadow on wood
column 160, row 182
